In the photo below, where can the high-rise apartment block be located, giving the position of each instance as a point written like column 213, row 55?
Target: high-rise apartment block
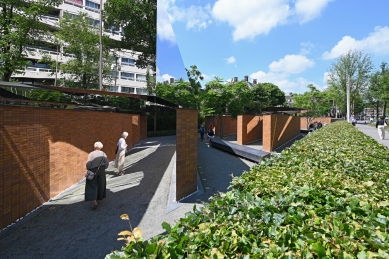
column 129, row 79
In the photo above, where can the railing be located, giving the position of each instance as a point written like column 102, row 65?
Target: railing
column 127, row 64
column 50, row 17
column 127, row 78
column 92, row 9
column 37, row 69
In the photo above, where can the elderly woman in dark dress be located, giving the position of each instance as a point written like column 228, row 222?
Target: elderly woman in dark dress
column 95, row 189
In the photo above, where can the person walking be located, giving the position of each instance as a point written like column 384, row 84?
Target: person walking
column 95, row 189
column 380, row 125
column 202, row 131
column 210, row 127
column 121, row 150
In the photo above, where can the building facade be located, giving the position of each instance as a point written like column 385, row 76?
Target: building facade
column 129, row 78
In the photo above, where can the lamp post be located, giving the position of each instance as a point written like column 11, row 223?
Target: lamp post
column 348, row 98
column 101, row 47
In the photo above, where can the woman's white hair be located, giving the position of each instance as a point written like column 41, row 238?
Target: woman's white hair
column 125, row 134
column 98, row 145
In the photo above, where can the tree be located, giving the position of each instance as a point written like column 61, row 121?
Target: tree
column 20, row 26
column 315, row 102
column 138, row 20
column 274, row 94
column 82, row 71
column 194, row 76
column 353, row 65
column 179, row 93
column 151, row 84
column 221, row 99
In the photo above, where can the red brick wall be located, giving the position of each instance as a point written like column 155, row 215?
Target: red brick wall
column 229, row 124
column 249, row 128
column 186, row 152
column 303, row 121
column 43, row 152
column 279, row 129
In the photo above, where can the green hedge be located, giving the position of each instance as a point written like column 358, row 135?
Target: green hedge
column 325, row 197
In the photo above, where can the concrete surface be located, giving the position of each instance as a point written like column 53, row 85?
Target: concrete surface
column 66, row 227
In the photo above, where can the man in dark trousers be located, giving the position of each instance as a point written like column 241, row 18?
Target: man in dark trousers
column 380, row 125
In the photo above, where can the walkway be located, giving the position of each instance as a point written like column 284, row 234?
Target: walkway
column 66, row 227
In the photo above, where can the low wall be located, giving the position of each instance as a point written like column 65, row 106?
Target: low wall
column 44, row 151
column 303, row 121
column 229, row 125
column 279, row 129
column 186, row 152
column 250, row 128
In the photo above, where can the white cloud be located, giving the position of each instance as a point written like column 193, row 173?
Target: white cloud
column 306, row 48
column 298, row 85
column 164, row 77
column 307, row 10
column 291, row 64
column 164, row 28
column 230, row 60
column 326, row 77
column 195, row 17
column 250, row 18
column 377, row 43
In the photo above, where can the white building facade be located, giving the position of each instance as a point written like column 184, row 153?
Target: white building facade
column 130, row 79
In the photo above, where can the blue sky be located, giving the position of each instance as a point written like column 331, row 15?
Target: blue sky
column 290, row 43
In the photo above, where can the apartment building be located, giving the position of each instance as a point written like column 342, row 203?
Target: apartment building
column 129, row 79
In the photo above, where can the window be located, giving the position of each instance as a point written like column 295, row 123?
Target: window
column 128, row 62
column 92, row 5
column 71, row 16
column 93, row 22
column 127, row 76
column 141, row 78
column 129, row 90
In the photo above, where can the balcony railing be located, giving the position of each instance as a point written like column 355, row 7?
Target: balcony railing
column 38, row 69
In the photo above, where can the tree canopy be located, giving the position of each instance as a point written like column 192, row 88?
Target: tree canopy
column 20, row 26
column 138, row 20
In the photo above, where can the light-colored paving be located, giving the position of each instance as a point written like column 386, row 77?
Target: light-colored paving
column 66, row 227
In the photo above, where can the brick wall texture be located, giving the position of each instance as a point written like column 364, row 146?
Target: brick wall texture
column 303, row 121
column 186, row 152
column 279, row 129
column 43, row 151
column 250, row 128
column 229, row 124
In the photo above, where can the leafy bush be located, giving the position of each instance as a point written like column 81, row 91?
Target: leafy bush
column 325, row 197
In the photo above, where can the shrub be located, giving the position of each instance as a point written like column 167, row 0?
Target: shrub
column 325, row 197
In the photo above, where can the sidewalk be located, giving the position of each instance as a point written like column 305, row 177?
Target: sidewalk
column 66, row 227
column 373, row 132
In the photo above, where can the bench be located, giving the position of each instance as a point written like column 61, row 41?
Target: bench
column 249, row 153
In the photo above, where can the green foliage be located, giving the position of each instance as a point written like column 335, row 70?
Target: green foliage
column 180, row 93
column 49, row 96
column 83, row 70
column 315, row 102
column 354, row 65
column 20, row 26
column 264, row 95
column 138, row 20
column 325, row 197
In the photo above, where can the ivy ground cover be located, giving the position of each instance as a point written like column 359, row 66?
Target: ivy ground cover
column 325, row 197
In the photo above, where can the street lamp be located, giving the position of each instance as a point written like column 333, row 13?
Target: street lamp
column 101, row 48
